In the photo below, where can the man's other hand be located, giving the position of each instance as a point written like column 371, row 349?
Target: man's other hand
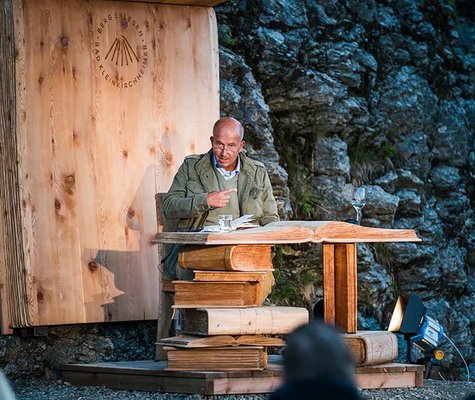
column 219, row 199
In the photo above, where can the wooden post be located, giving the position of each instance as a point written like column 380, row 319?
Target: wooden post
column 166, row 288
column 165, row 315
column 13, row 283
column 329, row 283
column 339, row 280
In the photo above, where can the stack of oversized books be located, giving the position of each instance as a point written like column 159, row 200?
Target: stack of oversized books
column 225, row 327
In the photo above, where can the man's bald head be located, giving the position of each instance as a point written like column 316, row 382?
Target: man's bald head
column 227, row 142
column 229, row 124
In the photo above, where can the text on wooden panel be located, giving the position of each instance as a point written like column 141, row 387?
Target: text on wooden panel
column 120, row 49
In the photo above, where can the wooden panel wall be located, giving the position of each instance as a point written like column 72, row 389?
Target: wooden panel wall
column 110, row 97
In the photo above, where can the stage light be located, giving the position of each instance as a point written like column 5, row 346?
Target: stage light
column 409, row 318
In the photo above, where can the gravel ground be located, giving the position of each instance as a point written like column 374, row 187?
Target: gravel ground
column 41, row 389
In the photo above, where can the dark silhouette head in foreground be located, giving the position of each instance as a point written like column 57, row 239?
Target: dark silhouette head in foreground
column 318, row 366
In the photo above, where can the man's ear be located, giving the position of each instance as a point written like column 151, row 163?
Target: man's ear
column 243, row 144
column 211, row 138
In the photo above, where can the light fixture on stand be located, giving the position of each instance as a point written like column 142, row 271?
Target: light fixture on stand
column 410, row 318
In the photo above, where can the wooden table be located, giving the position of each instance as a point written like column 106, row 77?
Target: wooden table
column 339, row 241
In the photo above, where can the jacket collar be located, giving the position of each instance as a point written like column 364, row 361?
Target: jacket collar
column 204, row 168
column 204, row 165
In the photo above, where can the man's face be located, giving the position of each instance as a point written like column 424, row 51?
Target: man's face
column 226, row 144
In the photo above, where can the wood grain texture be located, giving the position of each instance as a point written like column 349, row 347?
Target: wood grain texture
column 328, row 260
column 340, row 286
column 12, row 258
column 250, row 321
column 220, row 276
column 104, row 90
column 255, row 384
column 150, row 375
column 241, row 358
column 372, row 347
column 190, row 341
column 292, row 232
column 167, row 289
column 389, row 375
column 219, row 294
column 345, row 287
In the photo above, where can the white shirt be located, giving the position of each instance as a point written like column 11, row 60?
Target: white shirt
column 226, row 174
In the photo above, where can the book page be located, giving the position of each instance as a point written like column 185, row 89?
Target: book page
column 245, row 221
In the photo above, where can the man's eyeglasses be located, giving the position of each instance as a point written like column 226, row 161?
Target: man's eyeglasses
column 231, row 147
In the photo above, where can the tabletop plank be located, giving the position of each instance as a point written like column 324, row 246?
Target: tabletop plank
column 292, row 232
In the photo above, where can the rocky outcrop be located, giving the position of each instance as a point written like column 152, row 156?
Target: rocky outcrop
column 41, row 352
column 378, row 94
column 242, row 97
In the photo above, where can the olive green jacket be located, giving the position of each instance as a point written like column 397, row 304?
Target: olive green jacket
column 187, row 197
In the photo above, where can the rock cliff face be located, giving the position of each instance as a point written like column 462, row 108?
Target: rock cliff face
column 337, row 94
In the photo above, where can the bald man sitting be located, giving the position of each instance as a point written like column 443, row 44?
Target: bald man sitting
column 222, row 181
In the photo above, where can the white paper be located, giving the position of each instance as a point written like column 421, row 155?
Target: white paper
column 244, row 221
column 211, row 228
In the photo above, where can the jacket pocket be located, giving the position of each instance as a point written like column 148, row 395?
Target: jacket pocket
column 255, row 192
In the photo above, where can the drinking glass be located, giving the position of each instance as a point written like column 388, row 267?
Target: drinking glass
column 224, row 222
column 358, row 202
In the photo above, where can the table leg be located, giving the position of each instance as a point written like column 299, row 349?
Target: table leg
column 165, row 315
column 339, row 285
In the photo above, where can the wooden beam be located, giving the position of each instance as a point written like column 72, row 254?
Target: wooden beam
column 345, row 287
column 329, row 283
column 165, row 316
column 390, row 375
column 339, row 280
column 151, row 376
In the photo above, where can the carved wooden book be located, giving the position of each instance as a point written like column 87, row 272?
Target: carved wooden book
column 265, row 279
column 243, row 321
column 231, row 276
column 372, row 347
column 222, row 258
column 219, row 294
column 190, row 341
column 239, row 358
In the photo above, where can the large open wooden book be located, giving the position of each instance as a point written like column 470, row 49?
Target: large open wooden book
column 372, row 347
column 232, row 258
column 241, row 358
column 243, row 321
column 293, row 232
column 219, row 294
column 190, row 341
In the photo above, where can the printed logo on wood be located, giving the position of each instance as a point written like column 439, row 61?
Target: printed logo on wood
column 120, row 49
column 123, row 51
